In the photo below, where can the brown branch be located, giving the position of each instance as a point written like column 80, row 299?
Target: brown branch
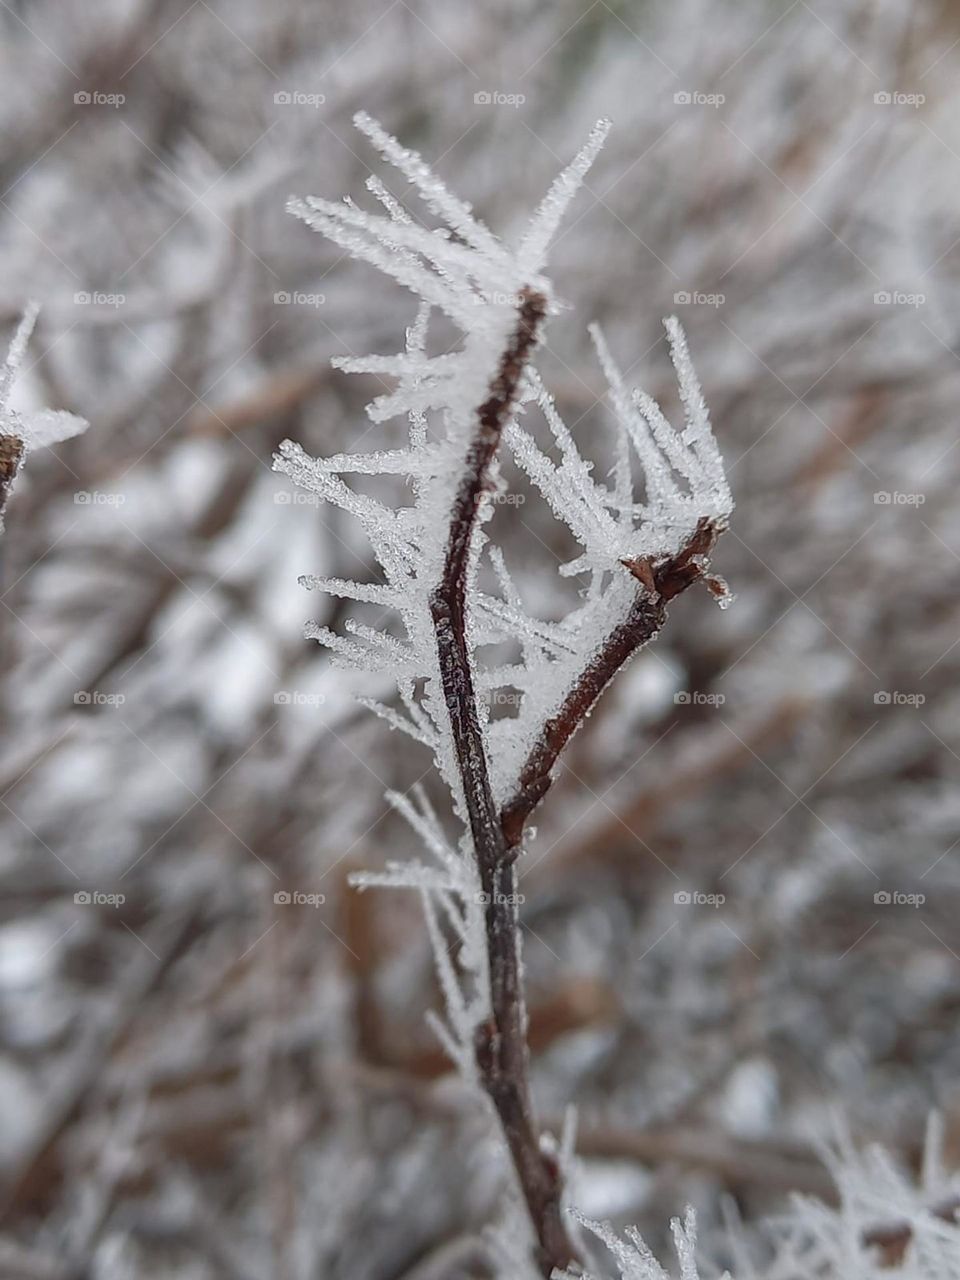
column 646, row 615
column 501, row 1043
column 11, row 456
column 892, row 1238
column 275, row 397
column 739, row 1162
column 576, row 1005
column 501, row 1046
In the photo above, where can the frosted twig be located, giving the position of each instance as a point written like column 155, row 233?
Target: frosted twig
column 638, row 556
column 21, row 433
column 501, row 1044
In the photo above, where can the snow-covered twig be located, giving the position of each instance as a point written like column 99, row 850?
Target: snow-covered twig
column 21, row 433
column 884, row 1224
column 637, row 555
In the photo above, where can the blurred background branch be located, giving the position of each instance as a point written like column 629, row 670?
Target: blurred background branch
column 751, row 850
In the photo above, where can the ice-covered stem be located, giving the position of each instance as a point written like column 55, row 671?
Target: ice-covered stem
column 460, row 269
column 11, row 443
column 11, row 455
column 893, row 1237
column 659, row 584
column 20, row 433
column 448, row 600
column 501, row 1044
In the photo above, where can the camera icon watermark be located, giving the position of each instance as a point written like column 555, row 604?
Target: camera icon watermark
column 694, row 898
column 896, row 698
column 294, row 498
column 688, row 298
column 505, row 499
column 888, row 98
column 98, row 298
column 504, row 698
column 898, row 298
column 294, row 698
column 496, row 98
column 296, row 298
column 297, row 98
column 694, row 98
column 94, row 498
column 500, row 899
column 95, row 698
column 886, row 898
column 94, row 98
column 94, row 898
column 696, row 698
column 894, row 498
column 297, row 898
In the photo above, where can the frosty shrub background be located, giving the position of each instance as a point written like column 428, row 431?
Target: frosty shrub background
column 738, row 908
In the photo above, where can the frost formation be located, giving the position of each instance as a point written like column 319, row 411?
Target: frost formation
column 23, row 432
column 460, row 271
column 886, row 1226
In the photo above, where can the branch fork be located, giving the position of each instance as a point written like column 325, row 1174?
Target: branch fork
column 500, row 1043
column 451, row 269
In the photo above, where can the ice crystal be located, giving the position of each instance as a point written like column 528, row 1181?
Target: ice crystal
column 632, row 1256
column 885, row 1227
column 23, row 432
column 460, row 269
column 40, row 427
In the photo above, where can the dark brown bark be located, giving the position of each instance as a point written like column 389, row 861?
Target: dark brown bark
column 11, row 455
column 501, row 1046
column 501, row 1043
column 892, row 1238
column 646, row 615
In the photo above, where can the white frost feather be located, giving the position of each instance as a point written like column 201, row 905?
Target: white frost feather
column 461, row 269
column 37, row 428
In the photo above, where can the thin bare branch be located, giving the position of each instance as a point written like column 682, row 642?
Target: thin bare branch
column 501, row 1044
column 647, row 614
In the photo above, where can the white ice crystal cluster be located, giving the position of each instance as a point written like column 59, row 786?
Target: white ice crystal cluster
column 460, row 270
column 886, row 1226
column 634, row 1260
column 24, row 432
